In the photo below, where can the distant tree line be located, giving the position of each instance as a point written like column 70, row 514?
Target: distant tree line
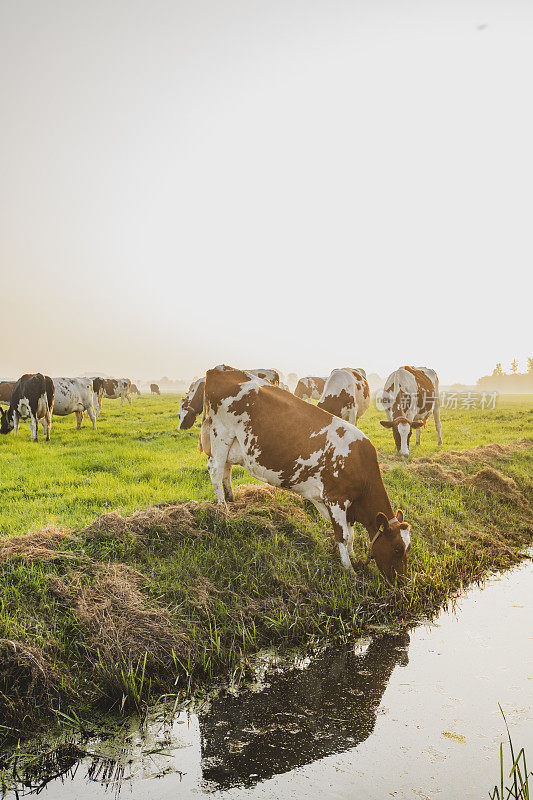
column 513, row 381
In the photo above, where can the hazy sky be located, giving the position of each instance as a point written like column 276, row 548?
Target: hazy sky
column 297, row 184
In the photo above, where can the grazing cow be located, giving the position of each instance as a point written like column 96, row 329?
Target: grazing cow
column 117, row 387
column 310, row 388
column 270, row 375
column 284, row 386
column 74, row 396
column 134, row 389
column 289, row 443
column 98, row 393
column 346, row 394
column 32, row 398
column 410, row 395
column 6, row 387
column 191, row 404
column 154, row 388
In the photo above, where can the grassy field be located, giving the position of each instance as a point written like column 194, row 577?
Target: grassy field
column 116, row 610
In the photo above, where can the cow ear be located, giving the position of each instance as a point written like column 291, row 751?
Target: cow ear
column 416, row 424
column 385, row 423
column 382, row 522
column 399, row 515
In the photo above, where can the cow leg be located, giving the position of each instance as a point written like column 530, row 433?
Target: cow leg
column 418, row 435
column 343, row 533
column 92, row 416
column 226, row 483
column 15, row 423
column 46, row 422
column 128, row 398
column 436, row 417
column 33, row 427
column 216, row 466
column 79, row 419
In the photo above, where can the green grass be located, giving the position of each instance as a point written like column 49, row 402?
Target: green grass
column 115, row 616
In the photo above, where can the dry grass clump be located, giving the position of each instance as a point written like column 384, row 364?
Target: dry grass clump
column 170, row 519
column 38, row 546
column 26, row 675
column 114, row 617
column 483, row 453
column 487, row 479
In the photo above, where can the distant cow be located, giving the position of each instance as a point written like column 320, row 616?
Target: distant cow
column 310, row 388
column 134, row 389
column 6, row 387
column 32, row 398
column 74, row 396
column 117, row 387
column 98, row 393
column 410, row 395
column 346, row 394
column 154, row 388
column 289, row 443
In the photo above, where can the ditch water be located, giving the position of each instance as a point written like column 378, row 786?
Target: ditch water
column 406, row 715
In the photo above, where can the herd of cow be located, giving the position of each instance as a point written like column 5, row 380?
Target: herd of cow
column 251, row 419
column 36, row 397
column 315, row 450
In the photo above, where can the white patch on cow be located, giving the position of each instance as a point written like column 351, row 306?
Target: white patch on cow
column 23, row 408
column 406, row 538
column 403, row 430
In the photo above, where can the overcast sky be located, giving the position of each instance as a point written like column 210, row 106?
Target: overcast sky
column 304, row 185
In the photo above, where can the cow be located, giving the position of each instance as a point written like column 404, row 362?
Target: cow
column 292, row 444
column 134, row 389
column 192, row 403
column 6, row 387
column 310, row 388
column 74, row 396
column 98, row 393
column 346, row 394
column 154, row 388
column 117, row 387
column 32, row 398
column 410, row 396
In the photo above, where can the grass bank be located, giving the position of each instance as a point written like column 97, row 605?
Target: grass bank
column 114, row 611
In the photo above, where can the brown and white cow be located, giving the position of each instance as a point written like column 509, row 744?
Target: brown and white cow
column 346, row 394
column 410, row 396
column 287, row 442
column 154, row 388
column 6, row 387
column 98, row 393
column 117, row 387
column 32, row 398
column 310, row 388
column 134, row 389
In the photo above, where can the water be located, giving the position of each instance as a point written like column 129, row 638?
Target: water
column 406, row 715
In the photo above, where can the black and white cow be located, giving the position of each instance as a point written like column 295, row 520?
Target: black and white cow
column 74, row 396
column 32, row 398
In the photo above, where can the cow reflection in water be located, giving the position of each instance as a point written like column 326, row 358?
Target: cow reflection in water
column 301, row 716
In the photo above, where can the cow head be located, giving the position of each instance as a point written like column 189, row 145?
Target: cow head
column 402, row 429
column 6, row 421
column 187, row 415
column 391, row 544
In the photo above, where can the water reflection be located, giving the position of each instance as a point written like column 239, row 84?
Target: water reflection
column 303, row 715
